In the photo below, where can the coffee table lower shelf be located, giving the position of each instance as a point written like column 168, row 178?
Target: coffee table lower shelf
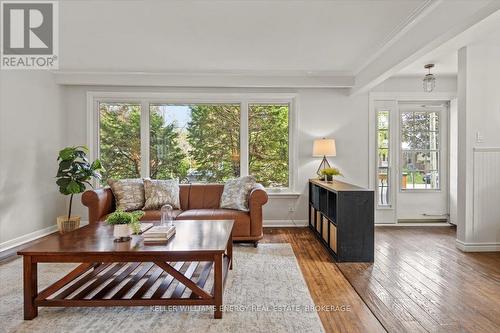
column 134, row 284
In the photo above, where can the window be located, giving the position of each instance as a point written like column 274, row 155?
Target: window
column 420, row 150
column 383, row 176
column 268, row 144
column 120, row 139
column 162, row 137
column 195, row 143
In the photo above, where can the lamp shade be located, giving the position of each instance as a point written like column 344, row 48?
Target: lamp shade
column 324, row 147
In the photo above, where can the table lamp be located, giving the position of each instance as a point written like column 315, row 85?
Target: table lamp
column 323, row 148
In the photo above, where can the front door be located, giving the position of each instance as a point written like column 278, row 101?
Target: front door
column 422, row 164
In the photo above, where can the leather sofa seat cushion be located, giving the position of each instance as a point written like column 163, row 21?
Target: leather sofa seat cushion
column 151, row 215
column 155, row 215
column 241, row 219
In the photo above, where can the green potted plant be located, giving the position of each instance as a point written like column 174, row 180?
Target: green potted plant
column 124, row 224
column 328, row 173
column 74, row 174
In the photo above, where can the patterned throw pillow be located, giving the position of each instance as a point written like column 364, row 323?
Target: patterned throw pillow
column 161, row 192
column 129, row 193
column 236, row 191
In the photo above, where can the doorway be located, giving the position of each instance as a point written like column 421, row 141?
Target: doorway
column 409, row 161
column 422, row 166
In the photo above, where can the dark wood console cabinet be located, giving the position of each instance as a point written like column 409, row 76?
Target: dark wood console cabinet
column 342, row 217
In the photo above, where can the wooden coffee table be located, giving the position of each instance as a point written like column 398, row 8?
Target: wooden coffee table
column 114, row 269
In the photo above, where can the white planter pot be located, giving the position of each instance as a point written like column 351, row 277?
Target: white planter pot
column 121, row 231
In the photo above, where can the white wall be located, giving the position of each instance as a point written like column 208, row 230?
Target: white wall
column 321, row 113
column 39, row 117
column 34, row 124
column 478, row 113
column 453, row 162
column 31, row 133
column 447, row 83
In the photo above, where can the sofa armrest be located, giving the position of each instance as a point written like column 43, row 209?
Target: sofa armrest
column 99, row 202
column 258, row 198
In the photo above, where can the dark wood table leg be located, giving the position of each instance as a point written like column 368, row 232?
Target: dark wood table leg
column 230, row 252
column 218, row 286
column 30, row 287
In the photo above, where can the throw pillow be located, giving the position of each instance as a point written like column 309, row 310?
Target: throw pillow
column 236, row 191
column 129, row 193
column 161, row 192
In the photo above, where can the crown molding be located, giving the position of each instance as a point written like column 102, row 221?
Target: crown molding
column 223, row 79
column 430, row 31
column 395, row 34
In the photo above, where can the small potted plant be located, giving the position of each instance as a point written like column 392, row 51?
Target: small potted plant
column 328, row 173
column 74, row 173
column 124, row 224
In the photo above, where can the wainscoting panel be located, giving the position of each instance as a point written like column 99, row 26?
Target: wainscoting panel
column 486, row 224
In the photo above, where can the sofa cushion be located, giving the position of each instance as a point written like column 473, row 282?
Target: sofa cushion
column 155, row 215
column 150, row 215
column 129, row 193
column 161, row 192
column 184, row 191
column 236, row 191
column 241, row 219
column 205, row 196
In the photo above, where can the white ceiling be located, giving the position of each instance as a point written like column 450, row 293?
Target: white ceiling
column 314, row 37
column 445, row 57
column 446, row 63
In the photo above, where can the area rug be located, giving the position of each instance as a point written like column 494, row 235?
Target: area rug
column 265, row 292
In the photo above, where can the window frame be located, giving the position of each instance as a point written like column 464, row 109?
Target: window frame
column 438, row 151
column 389, row 158
column 144, row 99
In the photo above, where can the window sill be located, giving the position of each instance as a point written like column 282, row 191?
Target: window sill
column 284, row 195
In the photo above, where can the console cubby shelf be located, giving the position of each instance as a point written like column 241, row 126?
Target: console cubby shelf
column 342, row 217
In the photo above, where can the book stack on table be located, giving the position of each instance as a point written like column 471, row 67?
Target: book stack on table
column 159, row 234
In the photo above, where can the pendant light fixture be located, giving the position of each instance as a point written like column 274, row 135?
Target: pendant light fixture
column 429, row 81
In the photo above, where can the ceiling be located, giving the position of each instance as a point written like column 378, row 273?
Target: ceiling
column 314, row 37
column 445, row 57
column 446, row 63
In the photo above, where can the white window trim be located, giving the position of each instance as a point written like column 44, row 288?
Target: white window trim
column 244, row 99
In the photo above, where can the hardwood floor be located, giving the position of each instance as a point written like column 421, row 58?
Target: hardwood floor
column 420, row 282
column 327, row 285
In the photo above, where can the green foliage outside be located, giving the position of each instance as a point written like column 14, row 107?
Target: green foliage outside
column 414, row 177
column 206, row 150
column 268, row 144
column 120, row 140
column 419, row 137
column 167, row 160
column 214, row 138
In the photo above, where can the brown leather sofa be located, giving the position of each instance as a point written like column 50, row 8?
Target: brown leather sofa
column 198, row 202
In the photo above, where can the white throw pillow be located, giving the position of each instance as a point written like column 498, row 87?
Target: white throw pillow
column 236, row 191
column 161, row 192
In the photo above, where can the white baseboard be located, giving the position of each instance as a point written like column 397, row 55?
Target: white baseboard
column 421, row 224
column 27, row 238
column 285, row 223
column 31, row 237
column 477, row 247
